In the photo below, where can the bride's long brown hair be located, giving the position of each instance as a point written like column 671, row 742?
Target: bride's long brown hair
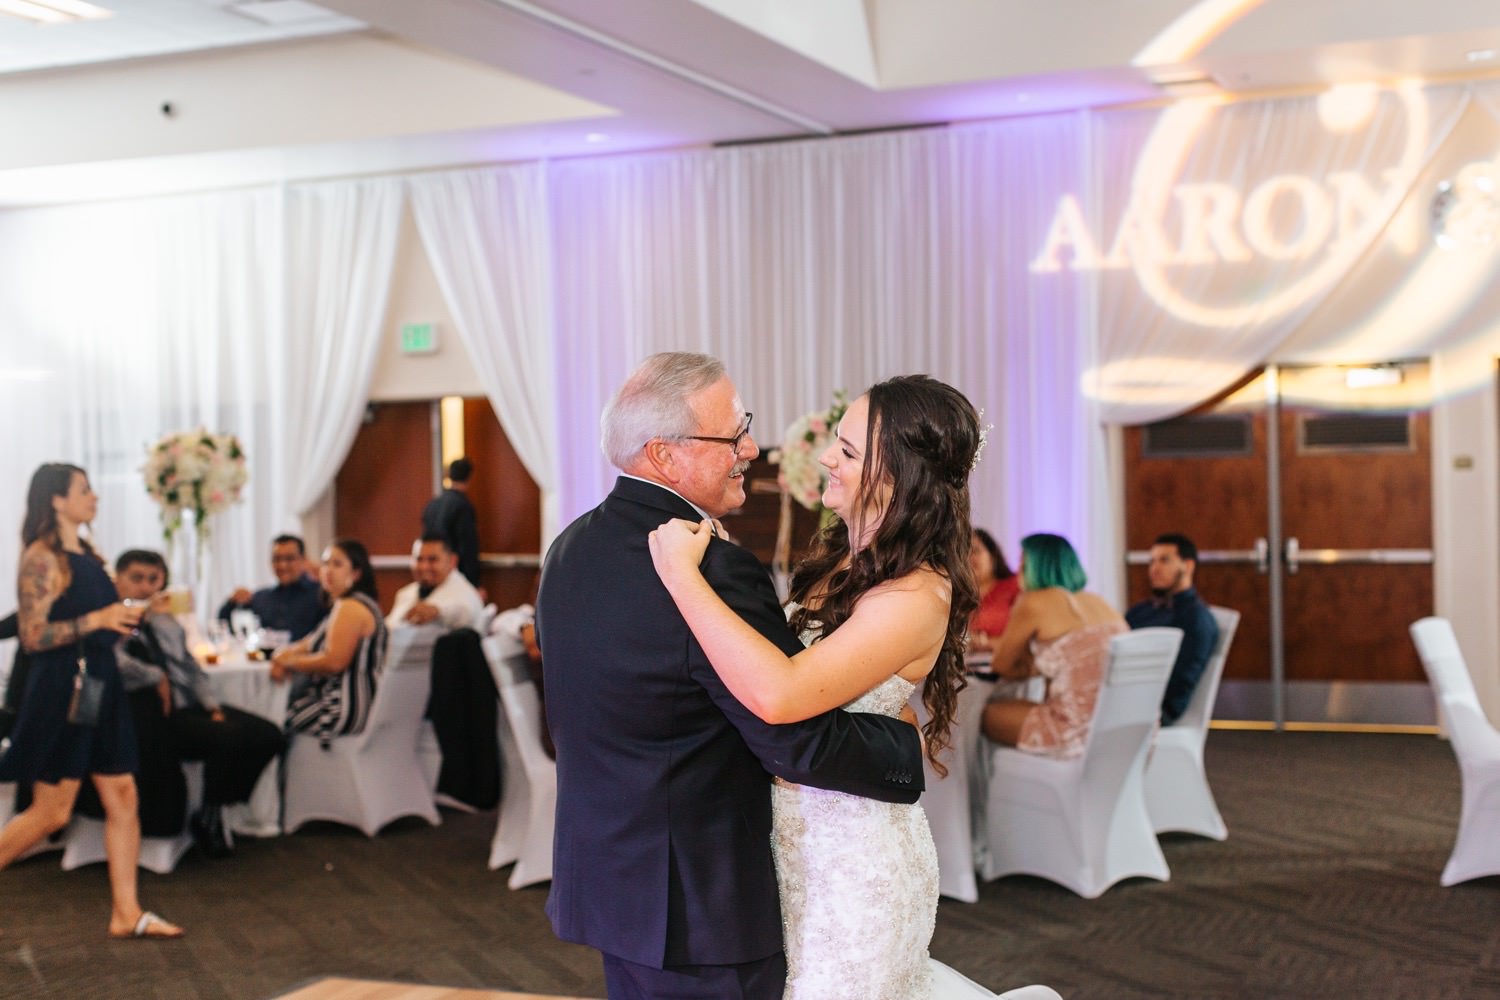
column 921, row 438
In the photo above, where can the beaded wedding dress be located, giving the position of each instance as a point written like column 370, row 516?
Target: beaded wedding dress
column 859, row 888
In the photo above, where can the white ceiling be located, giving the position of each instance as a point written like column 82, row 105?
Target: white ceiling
column 140, row 28
column 189, row 94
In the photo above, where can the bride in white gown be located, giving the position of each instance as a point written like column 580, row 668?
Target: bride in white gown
column 882, row 602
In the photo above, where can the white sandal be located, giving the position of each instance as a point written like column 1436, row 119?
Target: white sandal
column 143, row 926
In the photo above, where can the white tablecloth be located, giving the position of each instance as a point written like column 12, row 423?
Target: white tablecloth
column 247, row 685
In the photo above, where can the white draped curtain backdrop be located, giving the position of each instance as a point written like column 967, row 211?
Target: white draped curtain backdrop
column 1068, row 272
column 809, row 267
column 254, row 313
column 486, row 234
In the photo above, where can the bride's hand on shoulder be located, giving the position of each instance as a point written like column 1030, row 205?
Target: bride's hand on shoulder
column 677, row 548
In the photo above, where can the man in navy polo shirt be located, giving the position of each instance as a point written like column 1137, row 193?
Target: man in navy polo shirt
column 1174, row 602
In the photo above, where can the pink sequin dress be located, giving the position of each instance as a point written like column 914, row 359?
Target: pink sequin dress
column 1073, row 664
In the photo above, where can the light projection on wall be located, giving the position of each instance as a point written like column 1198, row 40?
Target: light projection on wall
column 1320, row 220
column 1362, row 225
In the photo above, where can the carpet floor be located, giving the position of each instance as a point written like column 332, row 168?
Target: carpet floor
column 1326, row 888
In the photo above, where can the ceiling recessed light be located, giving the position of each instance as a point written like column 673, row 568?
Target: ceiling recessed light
column 1480, row 55
column 596, row 137
column 54, row 11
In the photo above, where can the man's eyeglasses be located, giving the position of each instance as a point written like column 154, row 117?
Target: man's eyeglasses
column 733, row 442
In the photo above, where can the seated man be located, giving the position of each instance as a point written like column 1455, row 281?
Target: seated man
column 294, row 604
column 1174, row 602
column 234, row 746
column 436, row 593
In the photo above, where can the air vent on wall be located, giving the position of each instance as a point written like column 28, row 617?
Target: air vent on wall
column 1356, row 432
column 1198, row 437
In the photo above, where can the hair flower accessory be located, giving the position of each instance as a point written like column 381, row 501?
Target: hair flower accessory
column 984, row 439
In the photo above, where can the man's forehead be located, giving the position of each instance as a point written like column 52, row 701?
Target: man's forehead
column 716, row 394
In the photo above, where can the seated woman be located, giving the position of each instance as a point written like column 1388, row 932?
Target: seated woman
column 343, row 656
column 1058, row 631
column 998, row 588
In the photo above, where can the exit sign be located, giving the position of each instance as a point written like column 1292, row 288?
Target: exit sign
column 419, row 338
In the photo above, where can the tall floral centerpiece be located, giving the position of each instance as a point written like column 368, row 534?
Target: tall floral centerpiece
column 193, row 475
column 801, row 477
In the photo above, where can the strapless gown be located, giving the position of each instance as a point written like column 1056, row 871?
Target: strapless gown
column 859, row 889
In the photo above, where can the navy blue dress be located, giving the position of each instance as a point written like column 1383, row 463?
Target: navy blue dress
column 44, row 745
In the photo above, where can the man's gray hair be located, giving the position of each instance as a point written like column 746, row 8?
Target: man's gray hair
column 654, row 402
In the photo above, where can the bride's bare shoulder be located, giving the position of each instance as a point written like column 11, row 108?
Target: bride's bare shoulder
column 923, row 582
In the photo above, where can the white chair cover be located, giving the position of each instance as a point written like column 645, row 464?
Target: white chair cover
column 369, row 779
column 1082, row 821
column 1476, row 744
column 949, row 801
column 528, row 801
column 83, row 843
column 1177, row 793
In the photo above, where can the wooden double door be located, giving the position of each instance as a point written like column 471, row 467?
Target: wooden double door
column 395, row 467
column 1311, row 506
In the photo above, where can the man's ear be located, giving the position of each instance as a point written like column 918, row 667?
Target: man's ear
column 663, row 460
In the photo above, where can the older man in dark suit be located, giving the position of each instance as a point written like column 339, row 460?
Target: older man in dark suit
column 662, row 855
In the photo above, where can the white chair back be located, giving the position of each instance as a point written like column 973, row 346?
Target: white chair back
column 398, row 709
column 1453, row 687
column 1177, row 793
column 1201, row 708
column 1476, row 744
column 528, row 804
column 374, row 776
column 1082, row 821
column 950, row 800
column 1140, row 662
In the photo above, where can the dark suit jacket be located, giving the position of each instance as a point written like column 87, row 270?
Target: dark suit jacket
column 662, row 852
column 451, row 514
column 463, row 706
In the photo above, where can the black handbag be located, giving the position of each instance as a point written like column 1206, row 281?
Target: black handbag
column 88, row 696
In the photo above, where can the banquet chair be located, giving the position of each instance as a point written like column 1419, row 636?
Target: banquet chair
column 528, row 797
column 83, row 843
column 948, row 800
column 1177, row 793
column 1476, row 744
column 373, row 777
column 1081, row 821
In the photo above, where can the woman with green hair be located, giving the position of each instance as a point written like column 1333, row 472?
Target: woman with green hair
column 1060, row 632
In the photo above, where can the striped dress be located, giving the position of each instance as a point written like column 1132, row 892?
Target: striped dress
column 339, row 704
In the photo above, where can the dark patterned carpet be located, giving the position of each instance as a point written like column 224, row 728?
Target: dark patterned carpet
column 1326, row 888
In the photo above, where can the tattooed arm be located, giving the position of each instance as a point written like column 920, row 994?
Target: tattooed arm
column 40, row 586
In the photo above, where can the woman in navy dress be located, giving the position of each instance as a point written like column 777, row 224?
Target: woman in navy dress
column 69, row 609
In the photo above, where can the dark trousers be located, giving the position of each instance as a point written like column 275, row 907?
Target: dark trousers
column 762, row 980
column 234, row 752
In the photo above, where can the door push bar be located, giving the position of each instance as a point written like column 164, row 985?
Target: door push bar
column 1296, row 555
